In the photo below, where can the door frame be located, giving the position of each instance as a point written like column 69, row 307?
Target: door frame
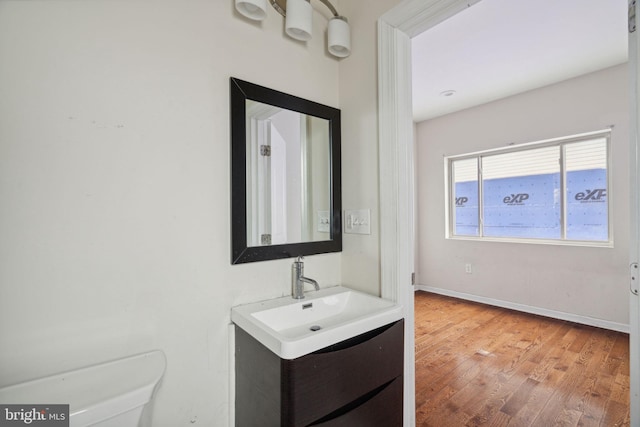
column 634, row 233
column 396, row 174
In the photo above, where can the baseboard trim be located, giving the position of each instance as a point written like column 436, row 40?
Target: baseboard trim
column 584, row 320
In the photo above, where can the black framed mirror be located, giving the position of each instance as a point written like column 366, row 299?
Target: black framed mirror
column 285, row 175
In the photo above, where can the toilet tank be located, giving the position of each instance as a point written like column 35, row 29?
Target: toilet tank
column 110, row 394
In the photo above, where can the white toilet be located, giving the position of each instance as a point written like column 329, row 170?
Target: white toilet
column 112, row 394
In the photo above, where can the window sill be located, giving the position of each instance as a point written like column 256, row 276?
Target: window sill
column 579, row 243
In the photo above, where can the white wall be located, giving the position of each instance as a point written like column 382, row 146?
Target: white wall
column 582, row 281
column 359, row 103
column 114, row 182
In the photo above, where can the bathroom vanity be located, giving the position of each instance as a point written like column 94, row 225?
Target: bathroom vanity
column 357, row 382
column 330, row 357
column 334, row 358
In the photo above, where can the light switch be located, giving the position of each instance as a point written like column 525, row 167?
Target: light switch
column 357, row 221
column 323, row 221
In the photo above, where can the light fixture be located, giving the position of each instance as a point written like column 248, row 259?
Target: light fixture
column 252, row 9
column 298, row 21
column 339, row 37
column 298, row 18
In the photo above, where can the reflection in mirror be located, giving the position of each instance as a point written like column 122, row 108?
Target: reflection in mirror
column 285, row 166
column 288, row 179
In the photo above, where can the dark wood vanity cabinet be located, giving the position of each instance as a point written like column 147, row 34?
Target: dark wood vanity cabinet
column 357, row 382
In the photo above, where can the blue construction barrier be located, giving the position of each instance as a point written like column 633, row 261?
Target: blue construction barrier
column 529, row 206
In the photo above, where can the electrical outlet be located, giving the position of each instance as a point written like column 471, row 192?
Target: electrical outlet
column 467, row 268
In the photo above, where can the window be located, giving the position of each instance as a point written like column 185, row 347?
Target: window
column 550, row 191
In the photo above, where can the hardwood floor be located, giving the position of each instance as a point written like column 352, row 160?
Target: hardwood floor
column 483, row 365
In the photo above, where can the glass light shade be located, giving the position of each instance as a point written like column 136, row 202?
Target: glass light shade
column 339, row 37
column 298, row 19
column 252, row 9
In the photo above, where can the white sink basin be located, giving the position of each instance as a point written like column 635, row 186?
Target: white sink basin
column 292, row 328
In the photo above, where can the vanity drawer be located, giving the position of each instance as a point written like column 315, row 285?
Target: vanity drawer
column 383, row 409
column 325, row 381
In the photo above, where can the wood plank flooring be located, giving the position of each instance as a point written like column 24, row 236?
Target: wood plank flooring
column 478, row 365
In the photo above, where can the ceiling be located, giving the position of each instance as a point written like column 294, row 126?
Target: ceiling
column 498, row 48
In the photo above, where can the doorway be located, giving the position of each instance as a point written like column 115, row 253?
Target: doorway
column 395, row 30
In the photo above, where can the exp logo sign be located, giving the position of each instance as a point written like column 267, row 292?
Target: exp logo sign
column 515, row 199
column 460, row 201
column 595, row 195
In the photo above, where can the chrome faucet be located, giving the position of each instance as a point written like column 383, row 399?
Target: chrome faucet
column 298, row 280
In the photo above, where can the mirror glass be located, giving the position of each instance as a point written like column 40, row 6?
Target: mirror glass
column 288, row 176
column 285, row 175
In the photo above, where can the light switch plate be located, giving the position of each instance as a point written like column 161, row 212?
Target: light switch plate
column 323, row 221
column 357, row 221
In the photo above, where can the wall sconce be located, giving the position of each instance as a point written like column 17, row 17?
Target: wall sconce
column 298, row 17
